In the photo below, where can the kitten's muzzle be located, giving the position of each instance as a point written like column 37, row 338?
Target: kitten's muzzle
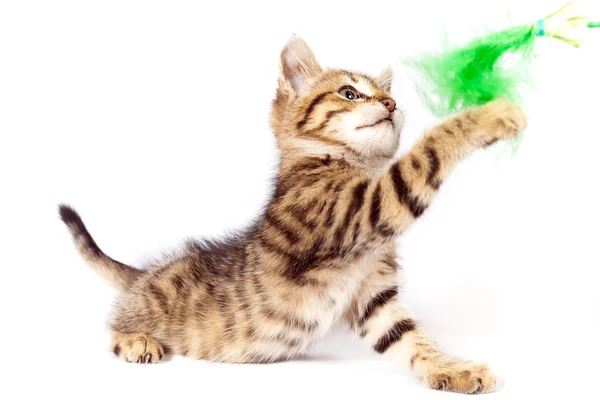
column 382, row 120
column 389, row 103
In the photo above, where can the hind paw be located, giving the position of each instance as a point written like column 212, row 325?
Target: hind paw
column 137, row 348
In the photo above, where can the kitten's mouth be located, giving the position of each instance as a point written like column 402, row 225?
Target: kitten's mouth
column 381, row 121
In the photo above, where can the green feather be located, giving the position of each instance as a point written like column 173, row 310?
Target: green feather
column 471, row 76
column 477, row 73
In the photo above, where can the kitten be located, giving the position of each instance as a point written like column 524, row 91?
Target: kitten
column 323, row 252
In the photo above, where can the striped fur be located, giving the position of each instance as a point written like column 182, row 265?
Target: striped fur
column 323, row 250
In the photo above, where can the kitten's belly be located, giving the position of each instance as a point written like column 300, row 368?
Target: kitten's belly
column 326, row 307
column 286, row 331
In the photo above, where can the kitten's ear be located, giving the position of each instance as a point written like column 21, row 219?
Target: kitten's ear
column 384, row 79
column 298, row 65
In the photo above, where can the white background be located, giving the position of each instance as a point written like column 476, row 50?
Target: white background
column 151, row 119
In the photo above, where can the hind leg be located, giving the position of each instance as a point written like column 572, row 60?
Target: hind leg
column 136, row 347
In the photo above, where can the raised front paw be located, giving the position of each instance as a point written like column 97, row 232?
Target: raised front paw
column 502, row 119
column 460, row 376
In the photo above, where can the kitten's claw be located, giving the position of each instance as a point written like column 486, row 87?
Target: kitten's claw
column 502, row 119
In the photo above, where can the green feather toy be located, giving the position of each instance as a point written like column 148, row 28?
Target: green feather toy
column 478, row 72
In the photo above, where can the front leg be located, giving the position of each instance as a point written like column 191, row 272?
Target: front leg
column 389, row 329
column 408, row 187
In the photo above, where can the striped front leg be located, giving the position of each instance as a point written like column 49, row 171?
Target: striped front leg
column 409, row 186
column 390, row 330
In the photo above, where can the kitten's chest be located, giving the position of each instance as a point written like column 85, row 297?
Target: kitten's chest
column 329, row 304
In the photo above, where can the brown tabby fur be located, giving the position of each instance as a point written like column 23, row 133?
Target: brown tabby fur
column 323, row 252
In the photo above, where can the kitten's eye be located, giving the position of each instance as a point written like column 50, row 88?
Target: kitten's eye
column 348, row 92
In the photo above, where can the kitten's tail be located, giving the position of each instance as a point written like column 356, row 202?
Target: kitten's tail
column 117, row 274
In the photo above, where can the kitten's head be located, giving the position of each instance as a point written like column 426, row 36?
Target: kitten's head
column 345, row 114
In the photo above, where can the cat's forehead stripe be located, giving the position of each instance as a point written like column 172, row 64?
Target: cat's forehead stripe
column 362, row 83
column 364, row 88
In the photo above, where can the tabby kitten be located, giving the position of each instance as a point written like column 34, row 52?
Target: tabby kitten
column 323, row 251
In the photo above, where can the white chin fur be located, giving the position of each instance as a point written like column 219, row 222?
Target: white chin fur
column 380, row 140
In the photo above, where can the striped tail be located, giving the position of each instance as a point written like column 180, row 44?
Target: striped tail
column 117, row 274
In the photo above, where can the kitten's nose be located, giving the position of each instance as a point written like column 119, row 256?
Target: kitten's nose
column 389, row 103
